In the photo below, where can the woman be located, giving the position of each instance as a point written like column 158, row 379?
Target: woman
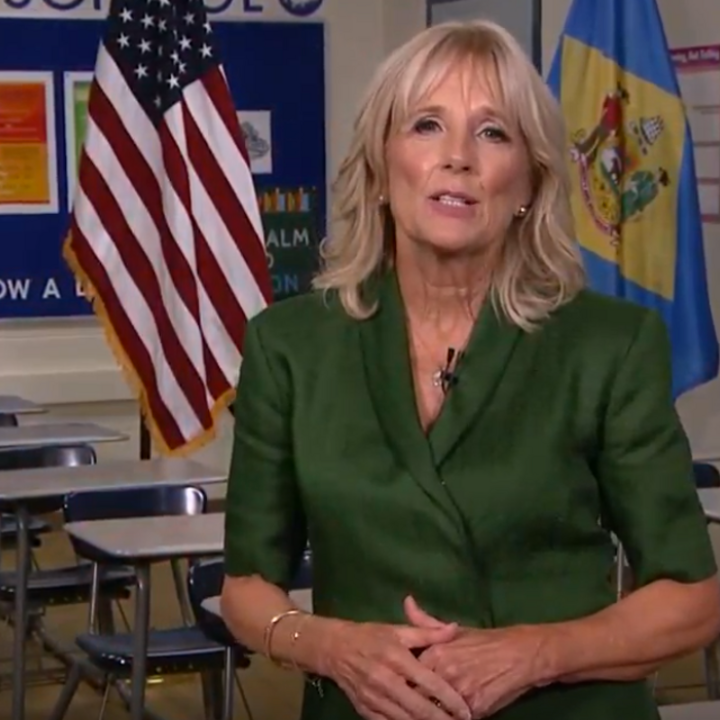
column 456, row 425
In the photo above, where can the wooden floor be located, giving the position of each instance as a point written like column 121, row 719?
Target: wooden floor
column 273, row 694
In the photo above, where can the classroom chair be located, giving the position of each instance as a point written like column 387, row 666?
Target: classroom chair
column 179, row 650
column 205, row 580
column 8, row 525
column 64, row 585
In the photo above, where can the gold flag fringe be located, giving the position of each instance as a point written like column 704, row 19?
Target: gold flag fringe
column 131, row 374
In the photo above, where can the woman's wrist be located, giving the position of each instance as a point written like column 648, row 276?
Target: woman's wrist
column 306, row 642
column 548, row 642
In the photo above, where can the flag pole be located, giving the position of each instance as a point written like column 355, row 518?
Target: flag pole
column 145, row 441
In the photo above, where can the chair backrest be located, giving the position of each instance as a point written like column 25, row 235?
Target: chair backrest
column 28, row 458
column 7, row 420
column 206, row 577
column 706, row 475
column 130, row 503
column 204, row 580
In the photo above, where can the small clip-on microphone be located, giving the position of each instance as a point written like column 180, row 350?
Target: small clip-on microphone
column 447, row 376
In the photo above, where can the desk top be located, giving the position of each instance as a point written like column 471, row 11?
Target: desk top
column 16, row 405
column 57, row 434
column 710, row 499
column 153, row 538
column 38, row 483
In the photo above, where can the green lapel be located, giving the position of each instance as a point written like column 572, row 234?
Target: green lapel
column 389, row 375
column 481, row 369
column 386, row 359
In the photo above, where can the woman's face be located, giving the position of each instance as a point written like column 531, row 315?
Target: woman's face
column 457, row 171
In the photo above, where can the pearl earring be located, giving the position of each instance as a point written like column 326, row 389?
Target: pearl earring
column 522, row 211
column 381, row 199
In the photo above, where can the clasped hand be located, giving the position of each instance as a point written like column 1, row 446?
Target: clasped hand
column 432, row 670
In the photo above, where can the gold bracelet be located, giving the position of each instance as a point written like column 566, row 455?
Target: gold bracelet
column 295, row 637
column 270, row 629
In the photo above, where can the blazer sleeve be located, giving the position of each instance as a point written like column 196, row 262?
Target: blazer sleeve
column 645, row 468
column 264, row 522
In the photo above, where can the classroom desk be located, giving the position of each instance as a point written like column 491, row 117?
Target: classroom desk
column 16, row 405
column 140, row 542
column 56, row 434
column 18, row 488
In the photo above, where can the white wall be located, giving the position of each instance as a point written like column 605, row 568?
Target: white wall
column 692, row 22
column 67, row 366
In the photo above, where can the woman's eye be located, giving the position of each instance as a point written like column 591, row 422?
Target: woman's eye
column 494, row 133
column 426, row 125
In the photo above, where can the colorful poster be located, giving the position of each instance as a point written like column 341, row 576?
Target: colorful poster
column 290, row 221
column 698, row 73
column 28, row 165
column 77, row 92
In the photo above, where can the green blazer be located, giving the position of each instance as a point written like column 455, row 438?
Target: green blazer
column 501, row 514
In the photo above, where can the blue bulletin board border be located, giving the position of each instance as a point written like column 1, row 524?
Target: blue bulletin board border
column 275, row 67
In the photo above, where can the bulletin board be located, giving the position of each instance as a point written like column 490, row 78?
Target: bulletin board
column 277, row 78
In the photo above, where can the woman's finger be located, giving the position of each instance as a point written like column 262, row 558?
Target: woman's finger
column 416, row 704
column 418, row 617
column 414, row 637
column 437, row 691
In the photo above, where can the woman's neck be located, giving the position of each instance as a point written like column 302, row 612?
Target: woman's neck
column 442, row 293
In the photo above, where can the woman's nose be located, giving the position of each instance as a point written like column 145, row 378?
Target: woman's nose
column 458, row 155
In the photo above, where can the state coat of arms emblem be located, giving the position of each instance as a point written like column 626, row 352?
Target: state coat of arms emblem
column 614, row 160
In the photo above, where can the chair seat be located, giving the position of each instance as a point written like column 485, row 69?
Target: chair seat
column 68, row 585
column 178, row 650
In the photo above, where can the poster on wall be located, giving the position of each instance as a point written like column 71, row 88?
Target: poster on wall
column 28, row 183
column 76, row 92
column 698, row 73
column 291, row 238
column 276, row 75
column 256, row 127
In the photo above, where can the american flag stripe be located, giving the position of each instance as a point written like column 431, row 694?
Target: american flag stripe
column 212, row 246
column 220, row 201
column 176, row 165
column 166, row 230
column 144, row 247
column 143, row 286
column 235, row 172
column 143, row 363
column 155, row 236
column 215, row 82
column 155, row 374
column 183, row 213
column 126, row 123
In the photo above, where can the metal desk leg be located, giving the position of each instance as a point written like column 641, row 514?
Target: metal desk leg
column 142, row 622
column 20, row 619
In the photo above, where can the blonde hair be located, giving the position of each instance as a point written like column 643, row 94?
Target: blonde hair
column 540, row 266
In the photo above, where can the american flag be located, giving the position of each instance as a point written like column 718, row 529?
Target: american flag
column 165, row 231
